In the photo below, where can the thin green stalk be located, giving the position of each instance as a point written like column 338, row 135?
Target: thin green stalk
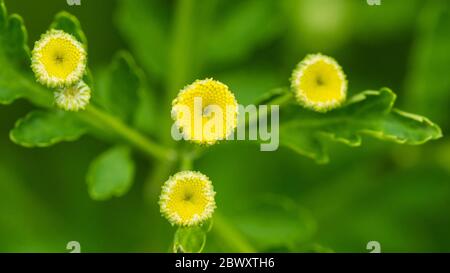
column 186, row 162
column 95, row 115
column 104, row 121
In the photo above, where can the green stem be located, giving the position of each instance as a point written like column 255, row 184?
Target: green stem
column 105, row 122
column 94, row 115
column 230, row 235
column 186, row 162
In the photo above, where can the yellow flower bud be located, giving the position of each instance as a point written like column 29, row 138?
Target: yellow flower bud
column 187, row 198
column 319, row 83
column 58, row 59
column 73, row 98
column 205, row 111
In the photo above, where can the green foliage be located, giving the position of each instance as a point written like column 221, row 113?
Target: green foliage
column 120, row 89
column 9, row 90
column 45, row 128
column 111, row 174
column 13, row 37
column 368, row 113
column 14, row 60
column 229, row 38
column 14, row 53
column 69, row 24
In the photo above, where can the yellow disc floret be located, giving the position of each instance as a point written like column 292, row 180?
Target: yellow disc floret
column 187, row 198
column 73, row 98
column 319, row 83
column 205, row 111
column 58, row 59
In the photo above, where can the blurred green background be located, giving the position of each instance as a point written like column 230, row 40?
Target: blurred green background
column 397, row 195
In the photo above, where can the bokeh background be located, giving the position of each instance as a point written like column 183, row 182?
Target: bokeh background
column 397, row 195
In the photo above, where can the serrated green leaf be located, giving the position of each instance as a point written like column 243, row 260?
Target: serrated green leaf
column 13, row 40
column 120, row 87
column 275, row 221
column 405, row 128
column 10, row 90
column 189, row 240
column 306, row 144
column 69, row 24
column 14, row 56
column 111, row 174
column 15, row 85
column 43, row 129
column 368, row 113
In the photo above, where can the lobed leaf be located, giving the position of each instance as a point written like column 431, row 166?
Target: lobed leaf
column 45, row 128
column 368, row 113
column 120, row 88
column 13, row 38
column 14, row 55
column 10, row 87
column 14, row 42
column 69, row 24
column 111, row 174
